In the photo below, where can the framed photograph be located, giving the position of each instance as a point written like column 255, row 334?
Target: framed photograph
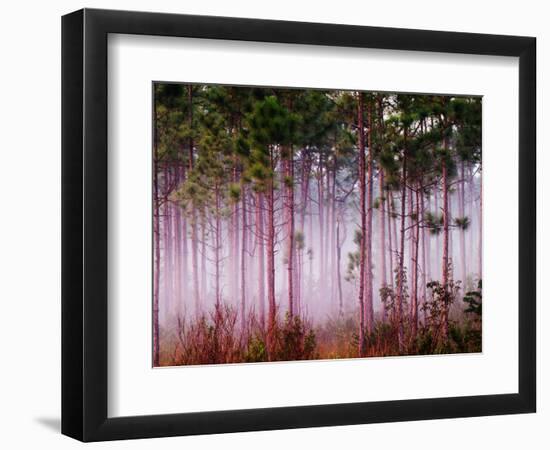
column 273, row 224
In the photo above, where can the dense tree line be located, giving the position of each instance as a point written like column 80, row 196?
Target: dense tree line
column 293, row 224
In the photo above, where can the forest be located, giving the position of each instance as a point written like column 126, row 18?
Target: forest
column 300, row 224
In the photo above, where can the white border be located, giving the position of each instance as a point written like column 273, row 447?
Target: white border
column 135, row 388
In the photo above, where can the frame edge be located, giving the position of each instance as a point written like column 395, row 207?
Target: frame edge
column 72, row 323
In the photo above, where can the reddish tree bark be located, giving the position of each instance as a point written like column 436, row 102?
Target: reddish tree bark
column 339, row 270
column 445, row 260
column 369, row 307
column 156, row 240
column 177, row 248
column 321, row 201
column 167, row 240
column 382, row 225
column 390, row 243
column 462, row 232
column 203, row 285
column 414, row 300
column 261, row 253
column 401, row 256
column 424, row 243
column 363, row 214
column 270, row 197
column 333, row 263
column 243, row 256
column 428, row 243
column 217, row 249
column 480, row 231
column 437, row 237
column 290, row 222
column 194, row 234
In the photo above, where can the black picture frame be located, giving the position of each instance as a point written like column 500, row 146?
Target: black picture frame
column 84, row 224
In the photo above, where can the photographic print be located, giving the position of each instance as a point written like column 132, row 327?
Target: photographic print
column 305, row 224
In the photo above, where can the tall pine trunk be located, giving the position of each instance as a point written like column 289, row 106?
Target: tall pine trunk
column 333, row 258
column 243, row 256
column 217, row 250
column 194, row 234
column 369, row 307
column 401, row 255
column 425, row 242
column 390, row 243
column 437, row 237
column 203, row 285
column 156, row 237
column 428, row 236
column 339, row 270
column 320, row 194
column 462, row 212
column 414, row 301
column 382, row 226
column 271, row 259
column 480, row 231
column 261, row 256
column 445, row 260
column 177, row 249
column 167, row 228
column 290, row 219
column 394, row 234
column 234, row 242
column 363, row 213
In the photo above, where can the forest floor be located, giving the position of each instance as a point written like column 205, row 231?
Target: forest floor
column 220, row 337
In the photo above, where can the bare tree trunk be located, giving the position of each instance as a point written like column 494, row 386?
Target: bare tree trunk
column 194, row 261
column 306, row 169
column 177, row 249
column 218, row 248
column 326, row 238
column 429, row 275
column 414, row 302
column 411, row 235
column 480, row 235
column 271, row 260
column 451, row 235
column 194, row 235
column 338, row 270
column 445, row 261
column 311, row 254
column 437, row 238
column 333, row 244
column 424, row 243
column 320, row 192
column 304, row 193
column 363, row 212
column 395, row 240
column 390, row 243
column 184, row 262
column 203, row 286
column 382, row 226
column 290, row 219
column 168, row 245
column 462, row 231
column 261, row 253
column 251, row 287
column 184, row 250
column 471, row 198
column 234, row 240
column 156, row 232
column 243, row 256
column 368, row 300
column 401, row 256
